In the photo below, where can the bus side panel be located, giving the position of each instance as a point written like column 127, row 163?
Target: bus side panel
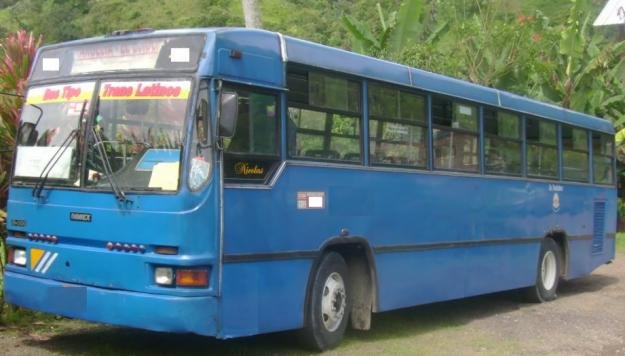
column 500, row 267
column 580, row 230
column 581, row 259
column 260, row 297
column 409, row 278
column 435, row 236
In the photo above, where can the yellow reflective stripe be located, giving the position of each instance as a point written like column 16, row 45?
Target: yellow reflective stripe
column 35, row 256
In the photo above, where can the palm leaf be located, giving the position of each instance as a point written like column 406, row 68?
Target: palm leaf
column 409, row 25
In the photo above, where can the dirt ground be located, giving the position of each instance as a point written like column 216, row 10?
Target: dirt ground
column 588, row 318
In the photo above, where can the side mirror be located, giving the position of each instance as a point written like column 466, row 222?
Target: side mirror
column 228, row 113
column 27, row 134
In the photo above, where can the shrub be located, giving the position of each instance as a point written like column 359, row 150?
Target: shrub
column 18, row 54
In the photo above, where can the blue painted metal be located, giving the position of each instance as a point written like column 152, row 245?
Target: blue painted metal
column 456, row 216
column 117, row 307
column 598, row 226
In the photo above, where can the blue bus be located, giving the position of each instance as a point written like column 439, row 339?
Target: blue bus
column 231, row 182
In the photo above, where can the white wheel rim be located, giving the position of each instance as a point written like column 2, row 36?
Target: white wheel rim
column 333, row 301
column 548, row 270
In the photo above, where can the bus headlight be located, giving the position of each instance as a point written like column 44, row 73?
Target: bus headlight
column 17, row 256
column 164, row 276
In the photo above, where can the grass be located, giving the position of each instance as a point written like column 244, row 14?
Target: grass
column 620, row 242
column 442, row 328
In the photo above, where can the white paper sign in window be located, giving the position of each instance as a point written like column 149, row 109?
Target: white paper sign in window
column 465, row 110
column 31, row 160
column 165, row 176
column 50, row 64
column 180, row 55
column 310, row 200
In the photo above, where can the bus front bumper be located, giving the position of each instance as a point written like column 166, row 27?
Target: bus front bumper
column 140, row 310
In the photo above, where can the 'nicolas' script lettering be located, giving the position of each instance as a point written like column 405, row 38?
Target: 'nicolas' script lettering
column 245, row 169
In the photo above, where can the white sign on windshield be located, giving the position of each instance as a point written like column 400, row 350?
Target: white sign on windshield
column 31, row 160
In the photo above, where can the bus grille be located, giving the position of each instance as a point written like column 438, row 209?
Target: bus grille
column 598, row 226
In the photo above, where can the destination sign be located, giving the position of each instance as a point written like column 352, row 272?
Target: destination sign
column 74, row 92
column 145, row 90
column 124, row 55
column 180, row 52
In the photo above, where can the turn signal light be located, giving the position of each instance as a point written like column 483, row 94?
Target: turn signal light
column 166, row 250
column 192, row 277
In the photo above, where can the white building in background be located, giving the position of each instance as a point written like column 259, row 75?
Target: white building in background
column 613, row 13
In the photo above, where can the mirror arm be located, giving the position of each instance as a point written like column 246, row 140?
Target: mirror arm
column 219, row 144
column 218, row 87
column 204, row 145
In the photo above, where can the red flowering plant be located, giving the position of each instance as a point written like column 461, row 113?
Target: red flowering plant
column 18, row 53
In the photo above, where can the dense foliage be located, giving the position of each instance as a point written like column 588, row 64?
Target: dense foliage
column 540, row 48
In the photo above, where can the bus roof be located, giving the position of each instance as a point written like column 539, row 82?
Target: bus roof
column 280, row 48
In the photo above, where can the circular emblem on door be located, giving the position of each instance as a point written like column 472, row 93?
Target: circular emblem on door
column 556, row 202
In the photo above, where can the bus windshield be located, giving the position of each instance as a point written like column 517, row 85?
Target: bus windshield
column 137, row 130
column 140, row 126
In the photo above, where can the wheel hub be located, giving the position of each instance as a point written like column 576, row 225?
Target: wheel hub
column 548, row 270
column 333, row 302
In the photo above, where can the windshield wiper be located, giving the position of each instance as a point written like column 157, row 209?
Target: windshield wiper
column 106, row 164
column 43, row 177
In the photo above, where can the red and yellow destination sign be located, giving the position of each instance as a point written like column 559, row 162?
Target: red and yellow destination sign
column 74, row 92
column 145, row 90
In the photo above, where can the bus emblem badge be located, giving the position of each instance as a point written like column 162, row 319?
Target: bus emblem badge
column 82, row 217
column 556, row 202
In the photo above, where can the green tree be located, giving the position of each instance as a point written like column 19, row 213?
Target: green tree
column 414, row 22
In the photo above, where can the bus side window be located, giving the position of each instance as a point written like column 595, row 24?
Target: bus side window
column 397, row 127
column 574, row 154
column 324, row 116
column 455, row 135
column 602, row 158
column 542, row 148
column 502, row 143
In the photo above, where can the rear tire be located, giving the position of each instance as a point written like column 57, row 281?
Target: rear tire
column 330, row 303
column 548, row 273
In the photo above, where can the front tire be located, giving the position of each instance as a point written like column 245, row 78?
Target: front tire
column 548, row 273
column 330, row 303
